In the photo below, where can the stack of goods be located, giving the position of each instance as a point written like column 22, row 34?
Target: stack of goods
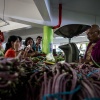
column 46, row 61
column 59, row 58
column 66, row 82
column 14, row 74
column 38, row 59
column 25, row 80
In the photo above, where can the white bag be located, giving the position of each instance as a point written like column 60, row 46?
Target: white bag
column 50, row 57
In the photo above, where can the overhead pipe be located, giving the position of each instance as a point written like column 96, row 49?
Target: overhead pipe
column 60, row 17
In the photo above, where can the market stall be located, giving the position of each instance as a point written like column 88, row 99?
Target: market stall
column 26, row 80
column 46, row 78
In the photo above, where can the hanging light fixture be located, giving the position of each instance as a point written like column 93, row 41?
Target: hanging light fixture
column 2, row 20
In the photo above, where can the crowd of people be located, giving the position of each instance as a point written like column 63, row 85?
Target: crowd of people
column 14, row 48
column 14, row 43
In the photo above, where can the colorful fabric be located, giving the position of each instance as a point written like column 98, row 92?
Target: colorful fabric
column 10, row 53
column 89, row 51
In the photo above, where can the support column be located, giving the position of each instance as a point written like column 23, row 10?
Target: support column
column 47, row 43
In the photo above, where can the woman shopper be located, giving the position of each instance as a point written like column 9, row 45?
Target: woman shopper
column 12, row 46
column 29, row 42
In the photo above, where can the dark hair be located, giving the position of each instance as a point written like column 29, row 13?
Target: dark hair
column 28, row 38
column 96, row 27
column 38, row 37
column 12, row 38
column 20, row 39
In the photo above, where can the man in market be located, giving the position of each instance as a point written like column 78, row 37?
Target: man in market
column 37, row 46
column 92, row 55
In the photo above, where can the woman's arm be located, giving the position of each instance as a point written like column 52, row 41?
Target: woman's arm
column 32, row 54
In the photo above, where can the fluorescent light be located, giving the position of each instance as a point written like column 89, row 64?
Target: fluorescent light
column 58, row 37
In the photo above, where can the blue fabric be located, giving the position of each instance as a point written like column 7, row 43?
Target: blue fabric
column 39, row 48
column 56, row 95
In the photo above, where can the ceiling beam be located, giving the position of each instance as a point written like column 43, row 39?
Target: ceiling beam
column 27, row 22
column 43, row 9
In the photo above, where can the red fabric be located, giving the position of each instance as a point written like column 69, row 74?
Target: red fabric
column 10, row 53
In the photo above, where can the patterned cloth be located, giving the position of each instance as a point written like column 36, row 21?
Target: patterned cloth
column 88, row 54
column 89, row 51
column 94, row 51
